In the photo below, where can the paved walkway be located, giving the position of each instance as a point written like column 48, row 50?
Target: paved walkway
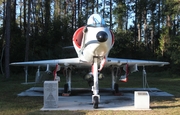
column 81, row 98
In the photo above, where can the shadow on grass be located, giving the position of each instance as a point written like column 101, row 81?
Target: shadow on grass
column 65, row 112
column 164, row 107
column 163, row 98
column 165, row 102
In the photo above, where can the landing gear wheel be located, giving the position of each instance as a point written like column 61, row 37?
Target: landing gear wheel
column 95, row 103
column 66, row 88
column 116, row 88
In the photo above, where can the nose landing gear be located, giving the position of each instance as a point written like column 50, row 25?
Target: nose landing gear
column 95, row 87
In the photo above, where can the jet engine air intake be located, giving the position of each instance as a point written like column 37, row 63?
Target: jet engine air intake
column 102, row 36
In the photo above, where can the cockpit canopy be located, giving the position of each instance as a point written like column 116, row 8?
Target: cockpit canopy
column 96, row 20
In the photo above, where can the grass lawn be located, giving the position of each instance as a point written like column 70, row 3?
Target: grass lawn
column 11, row 104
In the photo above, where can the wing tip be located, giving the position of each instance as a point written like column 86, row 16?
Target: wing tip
column 163, row 64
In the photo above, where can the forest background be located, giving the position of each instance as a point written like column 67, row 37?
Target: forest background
column 39, row 29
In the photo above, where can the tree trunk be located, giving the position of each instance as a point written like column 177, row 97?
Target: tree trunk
column 27, row 35
column 20, row 14
column 135, row 24
column 97, row 6
column 7, row 38
column 110, row 14
column 139, row 31
column 145, row 27
column 104, row 7
column 13, row 14
column 93, row 6
column 47, row 15
column 28, row 32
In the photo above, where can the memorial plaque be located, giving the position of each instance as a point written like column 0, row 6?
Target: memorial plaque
column 141, row 99
column 50, row 94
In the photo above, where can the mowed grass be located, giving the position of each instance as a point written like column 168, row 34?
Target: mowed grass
column 11, row 104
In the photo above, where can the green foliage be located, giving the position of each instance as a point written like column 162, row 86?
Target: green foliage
column 120, row 14
column 173, row 53
column 53, row 28
column 123, row 45
column 174, row 49
column 171, row 7
column 163, row 41
column 49, row 45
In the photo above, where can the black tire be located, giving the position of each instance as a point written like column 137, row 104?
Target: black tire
column 116, row 88
column 95, row 103
column 66, row 88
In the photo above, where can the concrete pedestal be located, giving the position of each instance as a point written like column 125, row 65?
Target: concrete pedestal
column 141, row 99
column 50, row 94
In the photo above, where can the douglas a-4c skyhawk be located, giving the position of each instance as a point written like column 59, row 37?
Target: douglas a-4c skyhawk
column 93, row 43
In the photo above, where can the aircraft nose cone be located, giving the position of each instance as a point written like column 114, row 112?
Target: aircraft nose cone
column 102, row 36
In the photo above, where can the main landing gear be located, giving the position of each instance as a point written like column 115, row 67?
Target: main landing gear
column 115, row 86
column 67, row 86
